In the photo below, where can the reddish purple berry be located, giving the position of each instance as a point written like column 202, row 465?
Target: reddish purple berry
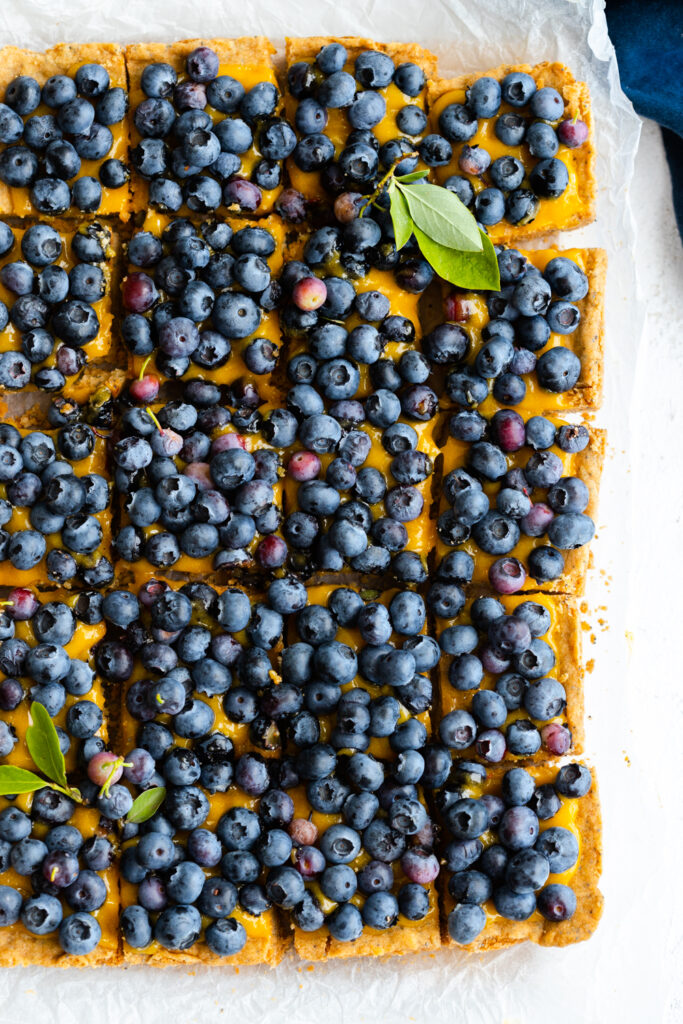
column 420, row 866
column 304, row 466
column 572, row 133
column 309, row 293
column 239, row 194
column 138, row 292
column 507, row 575
column 557, row 738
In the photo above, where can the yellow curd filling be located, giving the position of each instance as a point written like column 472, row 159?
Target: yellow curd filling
column 552, row 213
column 246, row 75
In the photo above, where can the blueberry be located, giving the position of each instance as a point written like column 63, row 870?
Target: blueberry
column 573, row 780
column 549, row 178
column 465, row 922
column 41, row 915
column 547, row 103
column 542, row 141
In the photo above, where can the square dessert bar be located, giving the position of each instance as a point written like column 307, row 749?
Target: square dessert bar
column 537, row 344
column 223, row 681
column 197, row 497
column 359, row 622
column 64, row 148
column 358, row 108
column 215, row 938
column 206, row 126
column 69, row 687
column 369, row 314
column 56, row 292
column 201, row 302
column 55, row 508
column 516, row 145
column 540, row 479
column 381, row 513
column 496, row 890
column 347, row 926
column 511, row 678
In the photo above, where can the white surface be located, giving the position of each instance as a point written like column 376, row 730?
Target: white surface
column 655, row 608
column 624, row 973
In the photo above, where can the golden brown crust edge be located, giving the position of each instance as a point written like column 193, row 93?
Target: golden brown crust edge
column 57, row 60
column 577, row 97
column 590, row 340
column 305, row 48
column 394, row 942
column 500, row 933
column 19, row 948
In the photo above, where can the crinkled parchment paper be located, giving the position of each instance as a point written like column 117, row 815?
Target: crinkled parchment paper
column 617, row 976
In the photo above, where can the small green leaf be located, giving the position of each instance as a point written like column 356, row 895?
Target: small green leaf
column 441, row 216
column 471, row 270
column 43, row 745
column 415, row 176
column 19, row 780
column 146, row 805
column 400, row 218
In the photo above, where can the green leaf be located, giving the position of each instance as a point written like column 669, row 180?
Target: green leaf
column 146, row 805
column 43, row 745
column 400, row 218
column 471, row 270
column 19, row 780
column 414, row 176
column 439, row 214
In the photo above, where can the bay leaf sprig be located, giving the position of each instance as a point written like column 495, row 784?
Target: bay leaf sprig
column 42, row 741
column 446, row 233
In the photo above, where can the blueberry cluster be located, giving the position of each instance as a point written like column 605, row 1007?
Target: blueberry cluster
column 195, row 130
column 42, row 670
column 44, row 151
column 531, row 124
column 199, row 292
column 52, row 309
column 515, row 869
column 65, row 871
column 39, row 472
column 189, row 879
column 500, row 664
column 342, row 256
column 193, row 486
column 60, row 861
column 328, row 85
column 531, row 307
column 204, row 654
column 500, row 496
column 346, row 510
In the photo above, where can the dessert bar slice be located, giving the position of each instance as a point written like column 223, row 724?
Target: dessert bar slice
column 64, row 132
column 538, row 344
column 519, row 500
column 56, row 305
column 350, row 303
column 516, row 146
column 358, row 108
column 196, row 891
column 366, row 876
column 58, row 879
column 56, row 517
column 510, row 678
column 206, row 126
column 196, row 495
column 363, row 505
column 524, row 856
column 201, row 303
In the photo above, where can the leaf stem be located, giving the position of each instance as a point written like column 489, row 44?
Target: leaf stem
column 382, row 182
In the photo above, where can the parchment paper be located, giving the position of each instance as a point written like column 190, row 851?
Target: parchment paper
column 619, row 974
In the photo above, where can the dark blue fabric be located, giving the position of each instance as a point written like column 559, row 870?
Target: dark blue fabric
column 648, row 38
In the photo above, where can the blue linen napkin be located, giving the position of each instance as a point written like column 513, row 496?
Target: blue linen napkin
column 648, row 38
